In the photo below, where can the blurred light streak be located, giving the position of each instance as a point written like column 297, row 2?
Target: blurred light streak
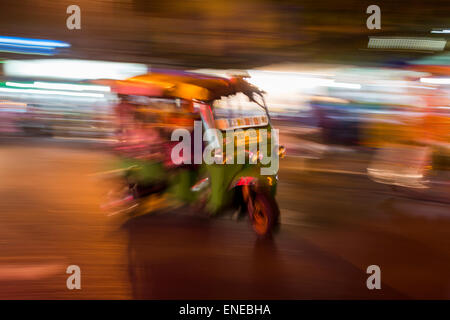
column 50, row 92
column 407, row 43
column 73, row 69
column 335, row 84
column 441, row 31
column 293, row 81
column 30, row 46
column 435, row 80
column 42, row 52
column 59, row 86
column 33, row 42
column 12, row 103
column 12, row 106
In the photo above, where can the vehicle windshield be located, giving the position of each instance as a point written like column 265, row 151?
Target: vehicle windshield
column 238, row 111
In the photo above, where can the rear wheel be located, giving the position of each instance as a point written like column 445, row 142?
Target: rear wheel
column 263, row 211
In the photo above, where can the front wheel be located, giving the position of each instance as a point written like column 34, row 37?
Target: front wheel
column 263, row 211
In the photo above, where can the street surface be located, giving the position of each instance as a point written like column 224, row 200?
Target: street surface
column 335, row 223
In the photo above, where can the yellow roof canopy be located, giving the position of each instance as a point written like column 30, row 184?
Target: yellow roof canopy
column 187, row 85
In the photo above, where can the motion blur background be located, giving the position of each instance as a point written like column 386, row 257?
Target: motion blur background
column 350, row 114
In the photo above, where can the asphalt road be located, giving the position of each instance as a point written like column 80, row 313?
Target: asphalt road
column 335, row 223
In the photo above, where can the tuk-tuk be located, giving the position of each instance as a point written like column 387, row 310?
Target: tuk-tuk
column 205, row 141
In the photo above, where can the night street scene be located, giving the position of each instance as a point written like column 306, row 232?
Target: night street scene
column 224, row 150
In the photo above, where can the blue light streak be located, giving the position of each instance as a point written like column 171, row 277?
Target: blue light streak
column 31, row 46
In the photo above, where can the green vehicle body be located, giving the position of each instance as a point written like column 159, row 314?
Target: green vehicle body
column 224, row 179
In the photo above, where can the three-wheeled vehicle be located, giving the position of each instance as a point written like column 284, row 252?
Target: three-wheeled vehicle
column 200, row 140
